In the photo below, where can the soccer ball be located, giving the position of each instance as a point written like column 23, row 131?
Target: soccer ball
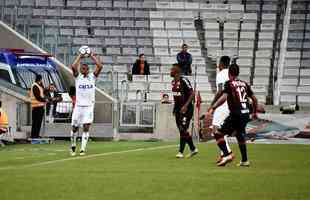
column 85, row 51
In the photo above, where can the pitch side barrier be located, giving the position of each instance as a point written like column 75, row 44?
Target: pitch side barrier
column 57, row 119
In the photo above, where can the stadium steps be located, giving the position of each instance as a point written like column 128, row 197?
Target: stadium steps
column 210, row 64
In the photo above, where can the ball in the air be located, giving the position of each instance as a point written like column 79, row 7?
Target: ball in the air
column 85, row 51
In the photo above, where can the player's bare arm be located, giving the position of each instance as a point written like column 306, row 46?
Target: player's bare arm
column 98, row 64
column 219, row 102
column 218, row 93
column 189, row 100
column 75, row 65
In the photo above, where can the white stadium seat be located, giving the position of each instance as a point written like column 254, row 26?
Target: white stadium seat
column 155, row 78
column 139, row 78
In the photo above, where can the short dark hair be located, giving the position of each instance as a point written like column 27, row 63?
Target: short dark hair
column 140, row 55
column 175, row 65
column 184, row 45
column 225, row 60
column 38, row 77
column 0, row 104
column 233, row 70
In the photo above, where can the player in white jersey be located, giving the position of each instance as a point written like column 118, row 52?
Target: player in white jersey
column 83, row 113
column 222, row 112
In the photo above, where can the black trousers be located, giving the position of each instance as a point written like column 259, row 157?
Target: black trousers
column 37, row 118
column 183, row 122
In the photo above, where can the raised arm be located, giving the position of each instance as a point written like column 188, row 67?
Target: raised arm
column 75, row 65
column 98, row 64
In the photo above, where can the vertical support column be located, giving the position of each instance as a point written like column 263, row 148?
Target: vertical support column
column 286, row 24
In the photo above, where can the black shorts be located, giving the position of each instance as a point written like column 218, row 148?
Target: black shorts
column 183, row 120
column 235, row 123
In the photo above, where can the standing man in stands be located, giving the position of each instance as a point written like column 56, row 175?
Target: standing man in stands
column 185, row 61
column 141, row 66
column 37, row 104
column 237, row 94
column 183, row 95
column 83, row 113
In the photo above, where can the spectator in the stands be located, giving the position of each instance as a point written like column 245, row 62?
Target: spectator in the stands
column 165, row 99
column 185, row 61
column 53, row 97
column 141, row 66
column 37, row 104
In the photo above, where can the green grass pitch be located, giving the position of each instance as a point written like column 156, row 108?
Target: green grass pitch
column 149, row 171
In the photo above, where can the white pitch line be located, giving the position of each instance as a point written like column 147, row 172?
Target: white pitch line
column 85, row 157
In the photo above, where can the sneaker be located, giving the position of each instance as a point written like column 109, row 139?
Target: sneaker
column 82, row 153
column 244, row 164
column 220, row 157
column 192, row 153
column 225, row 160
column 180, row 155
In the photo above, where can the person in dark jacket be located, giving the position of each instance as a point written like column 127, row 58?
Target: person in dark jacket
column 185, row 61
column 37, row 104
column 53, row 97
column 141, row 66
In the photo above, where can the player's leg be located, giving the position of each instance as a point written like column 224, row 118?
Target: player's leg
column 186, row 120
column 85, row 136
column 226, row 129
column 87, row 120
column 178, row 121
column 219, row 116
column 240, row 135
column 74, row 133
column 74, row 130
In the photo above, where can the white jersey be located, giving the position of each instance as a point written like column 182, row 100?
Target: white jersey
column 221, row 78
column 85, row 89
column 222, row 111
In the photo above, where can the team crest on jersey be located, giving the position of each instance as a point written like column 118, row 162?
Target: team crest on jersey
column 86, row 86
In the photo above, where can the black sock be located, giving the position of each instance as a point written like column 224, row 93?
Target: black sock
column 243, row 151
column 182, row 144
column 190, row 143
column 73, row 148
column 223, row 147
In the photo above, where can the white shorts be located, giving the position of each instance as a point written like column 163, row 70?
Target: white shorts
column 82, row 115
column 220, row 114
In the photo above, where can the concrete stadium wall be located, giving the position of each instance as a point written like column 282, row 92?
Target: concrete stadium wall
column 10, row 106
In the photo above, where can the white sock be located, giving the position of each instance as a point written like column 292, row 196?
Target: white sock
column 227, row 145
column 85, row 136
column 73, row 138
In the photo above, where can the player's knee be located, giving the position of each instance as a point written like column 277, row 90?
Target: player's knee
column 184, row 134
column 75, row 129
column 86, row 127
column 218, row 135
column 240, row 138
